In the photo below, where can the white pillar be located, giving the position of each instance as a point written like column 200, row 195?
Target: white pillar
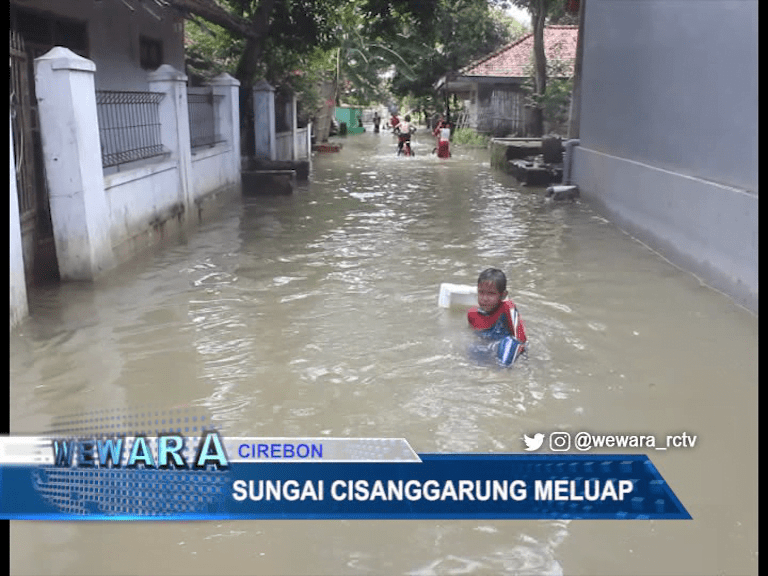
column 174, row 126
column 294, row 124
column 19, row 306
column 228, row 116
column 69, row 127
column 264, row 120
column 309, row 142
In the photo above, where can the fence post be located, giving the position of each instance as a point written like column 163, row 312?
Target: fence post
column 72, row 156
column 294, row 124
column 174, row 125
column 264, row 120
column 228, row 116
column 18, row 287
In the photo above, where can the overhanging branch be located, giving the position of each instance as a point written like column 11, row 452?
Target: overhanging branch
column 213, row 12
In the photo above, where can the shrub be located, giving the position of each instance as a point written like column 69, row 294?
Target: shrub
column 468, row 137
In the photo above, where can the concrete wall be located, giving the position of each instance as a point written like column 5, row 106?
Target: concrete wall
column 140, row 201
column 145, row 200
column 669, row 131
column 212, row 169
column 113, row 36
column 101, row 220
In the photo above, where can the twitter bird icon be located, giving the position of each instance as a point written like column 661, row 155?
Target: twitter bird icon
column 534, row 443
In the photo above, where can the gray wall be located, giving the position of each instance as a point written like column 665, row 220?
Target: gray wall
column 114, row 28
column 669, row 130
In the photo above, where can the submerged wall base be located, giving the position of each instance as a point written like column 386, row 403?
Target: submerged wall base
column 707, row 228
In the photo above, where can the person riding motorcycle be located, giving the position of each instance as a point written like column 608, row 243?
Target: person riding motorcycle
column 404, row 129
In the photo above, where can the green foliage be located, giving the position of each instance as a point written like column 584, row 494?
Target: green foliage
column 515, row 28
column 468, row 137
column 459, row 32
column 209, row 51
column 388, row 19
column 375, row 50
column 556, row 99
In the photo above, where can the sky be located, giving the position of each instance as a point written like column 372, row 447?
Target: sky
column 520, row 15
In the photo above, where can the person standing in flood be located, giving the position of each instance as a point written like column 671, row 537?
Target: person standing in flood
column 394, row 121
column 443, row 134
column 376, row 122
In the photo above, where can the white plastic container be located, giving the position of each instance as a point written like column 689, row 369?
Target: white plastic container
column 457, row 295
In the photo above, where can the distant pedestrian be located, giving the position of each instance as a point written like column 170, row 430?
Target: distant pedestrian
column 443, row 134
column 376, row 122
column 394, row 121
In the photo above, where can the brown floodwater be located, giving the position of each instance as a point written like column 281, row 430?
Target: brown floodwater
column 316, row 314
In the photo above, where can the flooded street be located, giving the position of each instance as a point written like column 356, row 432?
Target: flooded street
column 316, row 315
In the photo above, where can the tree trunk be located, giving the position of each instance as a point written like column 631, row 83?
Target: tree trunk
column 325, row 113
column 575, row 120
column 538, row 18
column 246, row 72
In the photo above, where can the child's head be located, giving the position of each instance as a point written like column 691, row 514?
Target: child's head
column 407, row 117
column 495, row 276
column 491, row 289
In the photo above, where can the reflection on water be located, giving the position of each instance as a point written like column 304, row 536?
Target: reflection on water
column 316, row 314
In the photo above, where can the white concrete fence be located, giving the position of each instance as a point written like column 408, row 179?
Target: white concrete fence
column 101, row 218
column 104, row 212
column 294, row 144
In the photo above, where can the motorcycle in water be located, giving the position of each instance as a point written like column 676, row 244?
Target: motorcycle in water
column 404, row 145
column 404, row 131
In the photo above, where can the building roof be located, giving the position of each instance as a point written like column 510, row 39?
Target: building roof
column 514, row 60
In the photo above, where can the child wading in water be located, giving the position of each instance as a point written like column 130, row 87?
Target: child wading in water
column 497, row 319
column 443, row 134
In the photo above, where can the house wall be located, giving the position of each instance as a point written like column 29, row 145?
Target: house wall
column 113, row 36
column 499, row 110
column 668, row 133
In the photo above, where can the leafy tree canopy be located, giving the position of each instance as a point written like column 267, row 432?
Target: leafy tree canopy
column 461, row 32
column 358, row 43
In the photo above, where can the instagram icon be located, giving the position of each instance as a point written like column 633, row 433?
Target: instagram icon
column 559, row 441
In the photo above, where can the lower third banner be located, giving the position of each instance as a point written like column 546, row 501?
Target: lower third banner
column 425, row 486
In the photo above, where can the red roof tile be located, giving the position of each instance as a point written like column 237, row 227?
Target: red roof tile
column 514, row 59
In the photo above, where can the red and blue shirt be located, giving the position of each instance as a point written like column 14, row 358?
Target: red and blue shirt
column 502, row 322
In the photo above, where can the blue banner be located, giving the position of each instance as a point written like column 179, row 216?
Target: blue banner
column 432, row 486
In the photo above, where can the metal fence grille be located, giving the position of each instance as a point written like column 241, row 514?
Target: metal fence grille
column 129, row 126
column 21, row 116
column 202, row 117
